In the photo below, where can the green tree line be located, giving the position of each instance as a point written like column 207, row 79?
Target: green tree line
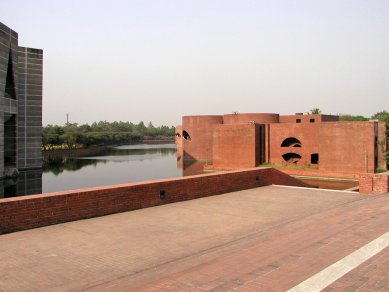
column 73, row 135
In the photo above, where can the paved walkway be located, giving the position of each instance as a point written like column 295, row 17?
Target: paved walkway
column 270, row 239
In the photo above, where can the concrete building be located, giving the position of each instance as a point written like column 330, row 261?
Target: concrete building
column 306, row 141
column 20, row 105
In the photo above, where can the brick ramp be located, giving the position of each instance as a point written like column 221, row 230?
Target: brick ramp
column 265, row 238
column 27, row 212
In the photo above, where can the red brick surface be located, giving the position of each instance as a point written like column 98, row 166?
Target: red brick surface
column 370, row 183
column 306, row 118
column 234, row 146
column 200, row 129
column 41, row 210
column 347, row 147
column 307, row 134
column 369, row 276
column 257, row 118
column 262, row 239
column 341, row 147
column 178, row 136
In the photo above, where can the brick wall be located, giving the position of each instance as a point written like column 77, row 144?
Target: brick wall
column 308, row 118
column 370, row 183
column 200, row 130
column 347, row 147
column 258, row 118
column 306, row 133
column 234, row 146
column 40, row 210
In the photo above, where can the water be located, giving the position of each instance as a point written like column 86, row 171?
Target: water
column 123, row 164
column 102, row 167
column 330, row 184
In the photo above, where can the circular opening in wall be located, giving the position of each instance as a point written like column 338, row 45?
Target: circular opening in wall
column 186, row 135
column 178, row 135
column 291, row 157
column 291, row 142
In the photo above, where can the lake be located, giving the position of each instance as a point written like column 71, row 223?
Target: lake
column 117, row 165
column 109, row 166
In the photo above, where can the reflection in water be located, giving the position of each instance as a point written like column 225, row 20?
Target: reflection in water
column 59, row 164
column 192, row 167
column 99, row 167
column 124, row 164
column 27, row 183
column 330, row 184
column 95, row 167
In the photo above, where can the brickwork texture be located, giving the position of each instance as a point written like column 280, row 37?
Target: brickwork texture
column 40, row 210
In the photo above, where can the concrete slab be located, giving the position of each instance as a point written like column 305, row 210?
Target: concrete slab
column 266, row 238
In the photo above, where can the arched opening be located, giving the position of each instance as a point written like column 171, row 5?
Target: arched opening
column 186, row 135
column 291, row 157
column 291, row 142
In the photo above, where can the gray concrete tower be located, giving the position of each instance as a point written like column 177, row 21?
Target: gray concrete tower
column 20, row 105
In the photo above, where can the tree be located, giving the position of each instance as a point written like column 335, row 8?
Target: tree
column 141, row 128
column 315, row 111
column 381, row 116
column 102, row 133
column 51, row 135
column 72, row 135
column 346, row 117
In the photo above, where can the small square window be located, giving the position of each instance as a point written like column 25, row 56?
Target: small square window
column 315, row 158
column 298, row 121
column 311, row 120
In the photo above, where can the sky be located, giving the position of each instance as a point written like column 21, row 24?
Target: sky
column 158, row 60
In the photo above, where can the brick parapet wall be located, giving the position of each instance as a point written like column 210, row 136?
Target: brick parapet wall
column 377, row 183
column 40, row 210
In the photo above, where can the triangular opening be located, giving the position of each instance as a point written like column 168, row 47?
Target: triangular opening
column 10, row 83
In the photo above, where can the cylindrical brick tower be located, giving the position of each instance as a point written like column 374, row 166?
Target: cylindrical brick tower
column 260, row 118
column 197, row 135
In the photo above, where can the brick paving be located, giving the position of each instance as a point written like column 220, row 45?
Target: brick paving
column 270, row 239
column 372, row 275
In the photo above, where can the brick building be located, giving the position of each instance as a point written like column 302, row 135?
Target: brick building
column 309, row 141
column 20, row 105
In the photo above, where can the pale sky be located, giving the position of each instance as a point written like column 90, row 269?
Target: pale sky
column 134, row 60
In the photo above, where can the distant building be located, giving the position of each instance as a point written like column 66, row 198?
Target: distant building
column 20, row 105
column 306, row 141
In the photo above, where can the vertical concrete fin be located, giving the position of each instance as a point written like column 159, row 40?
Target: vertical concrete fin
column 10, row 80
